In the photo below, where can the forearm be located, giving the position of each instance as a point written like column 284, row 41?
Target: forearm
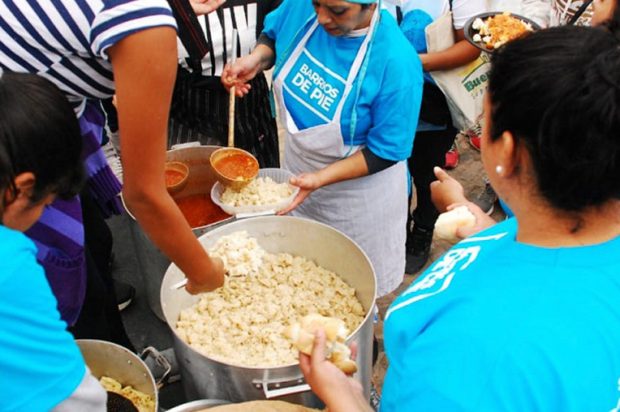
column 265, row 55
column 351, row 167
column 165, row 225
column 458, row 55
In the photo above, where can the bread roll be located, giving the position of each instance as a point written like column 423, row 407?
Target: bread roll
column 302, row 337
column 448, row 223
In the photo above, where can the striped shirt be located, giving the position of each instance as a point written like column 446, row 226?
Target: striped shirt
column 246, row 16
column 66, row 41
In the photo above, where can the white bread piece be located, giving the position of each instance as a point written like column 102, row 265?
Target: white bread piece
column 335, row 329
column 341, row 357
column 448, row 223
column 302, row 337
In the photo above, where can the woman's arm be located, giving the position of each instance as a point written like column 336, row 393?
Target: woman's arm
column 144, row 66
column 462, row 52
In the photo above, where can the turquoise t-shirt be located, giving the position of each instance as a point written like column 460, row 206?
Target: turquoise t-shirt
column 40, row 364
column 389, row 101
column 498, row 325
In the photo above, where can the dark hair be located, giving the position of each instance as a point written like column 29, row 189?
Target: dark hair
column 558, row 92
column 39, row 133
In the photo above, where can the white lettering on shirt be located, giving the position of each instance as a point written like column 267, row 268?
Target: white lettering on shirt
column 440, row 276
column 617, row 408
column 312, row 84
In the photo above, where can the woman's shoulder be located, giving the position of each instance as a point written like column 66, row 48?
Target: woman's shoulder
column 392, row 54
column 17, row 253
column 13, row 240
column 295, row 10
column 285, row 21
column 391, row 40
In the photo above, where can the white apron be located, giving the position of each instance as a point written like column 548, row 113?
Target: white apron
column 372, row 210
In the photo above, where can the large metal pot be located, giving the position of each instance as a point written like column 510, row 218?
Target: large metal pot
column 204, row 377
column 151, row 262
column 116, row 362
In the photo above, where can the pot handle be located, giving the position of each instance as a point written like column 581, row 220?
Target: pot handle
column 274, row 388
column 161, row 361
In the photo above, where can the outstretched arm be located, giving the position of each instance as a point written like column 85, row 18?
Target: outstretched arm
column 462, row 52
column 144, row 66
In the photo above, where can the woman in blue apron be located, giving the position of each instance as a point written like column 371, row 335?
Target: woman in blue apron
column 348, row 87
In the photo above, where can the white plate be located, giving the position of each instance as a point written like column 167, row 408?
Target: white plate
column 277, row 175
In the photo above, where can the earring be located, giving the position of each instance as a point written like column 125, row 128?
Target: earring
column 499, row 169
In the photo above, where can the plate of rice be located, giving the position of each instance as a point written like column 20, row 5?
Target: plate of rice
column 490, row 31
column 269, row 192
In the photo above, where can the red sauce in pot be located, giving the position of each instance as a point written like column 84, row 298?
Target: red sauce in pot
column 199, row 210
column 237, row 167
column 173, row 177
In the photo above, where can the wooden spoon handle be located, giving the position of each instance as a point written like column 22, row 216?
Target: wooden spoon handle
column 231, row 97
column 231, row 117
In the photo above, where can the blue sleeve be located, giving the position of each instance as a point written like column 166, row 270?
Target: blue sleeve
column 273, row 21
column 283, row 24
column 37, row 355
column 395, row 110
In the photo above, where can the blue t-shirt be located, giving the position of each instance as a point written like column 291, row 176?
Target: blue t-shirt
column 498, row 325
column 40, row 364
column 389, row 101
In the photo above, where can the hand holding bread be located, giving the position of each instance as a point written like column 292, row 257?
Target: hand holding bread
column 302, row 336
column 450, row 222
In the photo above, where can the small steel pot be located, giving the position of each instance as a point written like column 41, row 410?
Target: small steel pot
column 116, row 362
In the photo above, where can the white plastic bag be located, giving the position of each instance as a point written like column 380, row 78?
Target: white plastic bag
column 463, row 86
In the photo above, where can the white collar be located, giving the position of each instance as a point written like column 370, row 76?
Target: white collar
column 358, row 32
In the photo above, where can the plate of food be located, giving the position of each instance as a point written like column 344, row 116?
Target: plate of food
column 489, row 31
column 269, row 192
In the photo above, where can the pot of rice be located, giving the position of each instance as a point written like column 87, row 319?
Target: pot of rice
column 230, row 343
